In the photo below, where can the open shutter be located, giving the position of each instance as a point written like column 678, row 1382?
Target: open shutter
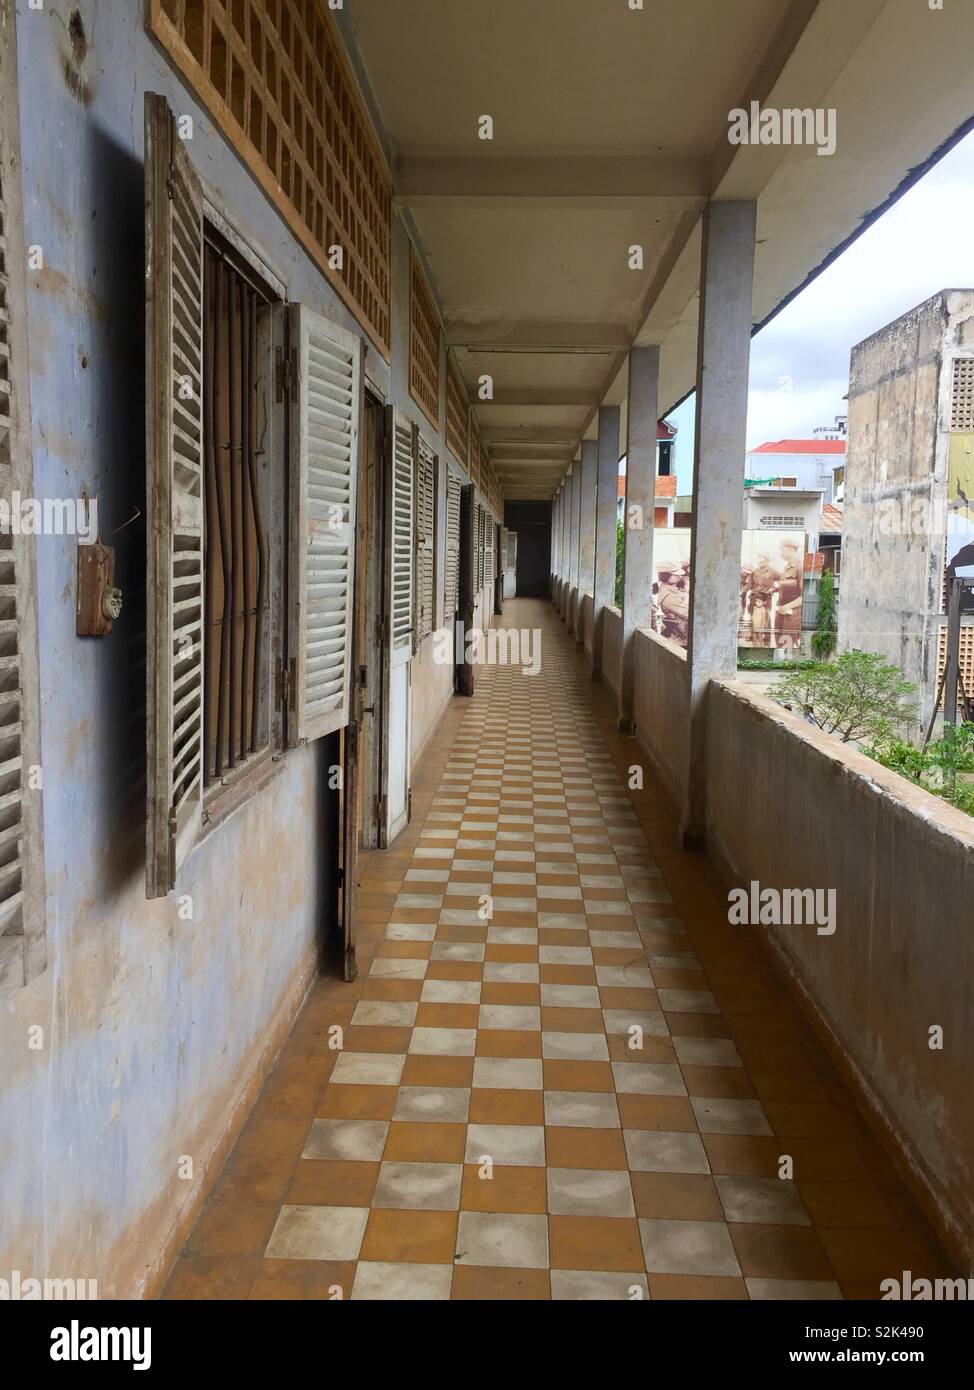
column 324, row 435
column 425, row 497
column 452, row 577
column 174, row 488
column 402, row 530
column 489, row 574
column 481, row 546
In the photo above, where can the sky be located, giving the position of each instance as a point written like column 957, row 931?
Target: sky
column 800, row 361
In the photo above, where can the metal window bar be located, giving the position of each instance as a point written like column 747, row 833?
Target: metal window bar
column 235, row 548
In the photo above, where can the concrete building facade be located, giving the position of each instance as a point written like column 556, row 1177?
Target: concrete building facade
column 908, row 415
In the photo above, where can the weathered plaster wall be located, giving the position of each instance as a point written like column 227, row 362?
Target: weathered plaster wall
column 585, row 633
column 661, row 709
column 901, row 960
column 611, row 647
column 153, row 1025
column 896, row 467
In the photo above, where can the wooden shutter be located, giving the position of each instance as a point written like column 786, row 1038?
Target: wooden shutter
column 323, row 445
column 401, row 436
column 489, row 572
column 451, row 587
column 425, row 524
column 481, row 545
column 174, row 487
column 22, row 915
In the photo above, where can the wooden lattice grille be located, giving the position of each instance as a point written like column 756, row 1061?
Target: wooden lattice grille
column 457, row 413
column 962, row 394
column 473, row 448
column 274, row 78
column 966, row 657
column 424, row 345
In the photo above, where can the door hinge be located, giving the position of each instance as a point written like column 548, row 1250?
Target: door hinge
column 382, row 630
column 286, row 683
column 409, row 804
column 363, row 677
column 285, row 373
column 380, row 810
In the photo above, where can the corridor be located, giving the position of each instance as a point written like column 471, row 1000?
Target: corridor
column 587, row 1094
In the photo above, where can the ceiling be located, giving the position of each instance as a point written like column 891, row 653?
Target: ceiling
column 610, row 132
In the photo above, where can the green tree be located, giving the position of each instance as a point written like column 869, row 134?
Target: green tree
column 620, row 547
column 856, row 696
column 825, row 635
column 944, row 767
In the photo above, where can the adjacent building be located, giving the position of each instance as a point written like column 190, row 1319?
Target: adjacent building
column 907, row 484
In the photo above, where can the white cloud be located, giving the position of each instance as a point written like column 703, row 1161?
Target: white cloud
column 800, row 361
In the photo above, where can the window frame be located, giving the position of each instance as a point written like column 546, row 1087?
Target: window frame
column 235, row 786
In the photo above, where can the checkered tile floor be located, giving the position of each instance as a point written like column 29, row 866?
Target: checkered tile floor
column 562, row 1074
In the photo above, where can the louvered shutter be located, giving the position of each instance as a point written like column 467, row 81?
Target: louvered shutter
column 323, row 442
column 22, row 918
column 425, row 480
column 481, row 544
column 489, row 572
column 174, row 459
column 402, row 530
column 451, row 587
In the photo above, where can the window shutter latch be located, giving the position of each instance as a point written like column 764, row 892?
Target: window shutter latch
column 285, row 373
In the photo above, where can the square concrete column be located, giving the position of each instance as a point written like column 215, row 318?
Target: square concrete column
column 723, row 359
column 567, row 536
column 555, row 537
column 575, row 534
column 637, row 554
column 586, row 524
column 606, row 512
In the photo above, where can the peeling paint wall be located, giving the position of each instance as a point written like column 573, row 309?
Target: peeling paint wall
column 820, row 815
column 153, row 1025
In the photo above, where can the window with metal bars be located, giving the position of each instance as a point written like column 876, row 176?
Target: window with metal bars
column 237, row 557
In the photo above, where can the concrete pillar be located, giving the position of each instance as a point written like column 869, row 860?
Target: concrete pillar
column 637, row 583
column 586, row 532
column 576, row 531
column 723, row 357
column 555, row 537
column 567, row 539
column 607, row 499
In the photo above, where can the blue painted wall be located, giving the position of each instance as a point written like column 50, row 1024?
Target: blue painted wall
column 152, row 1025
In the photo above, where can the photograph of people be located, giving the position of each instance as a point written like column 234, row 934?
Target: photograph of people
column 772, row 582
column 671, row 587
